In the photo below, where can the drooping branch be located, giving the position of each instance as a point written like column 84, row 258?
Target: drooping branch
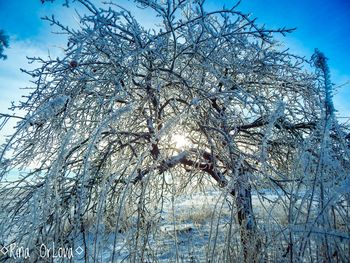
column 281, row 124
column 183, row 158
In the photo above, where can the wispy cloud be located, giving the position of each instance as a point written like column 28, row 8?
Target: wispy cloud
column 13, row 82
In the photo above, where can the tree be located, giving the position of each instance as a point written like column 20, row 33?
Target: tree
column 97, row 140
column 4, row 43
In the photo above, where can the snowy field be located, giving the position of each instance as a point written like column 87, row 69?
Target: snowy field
column 183, row 233
column 193, row 228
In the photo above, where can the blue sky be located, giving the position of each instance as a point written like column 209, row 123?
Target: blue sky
column 324, row 24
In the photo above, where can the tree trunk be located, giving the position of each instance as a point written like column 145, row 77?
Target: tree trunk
column 246, row 220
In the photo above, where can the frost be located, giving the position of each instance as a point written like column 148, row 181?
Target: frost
column 195, row 102
column 50, row 109
column 98, row 163
column 344, row 188
column 320, row 62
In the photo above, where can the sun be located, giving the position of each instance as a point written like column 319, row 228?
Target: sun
column 180, row 141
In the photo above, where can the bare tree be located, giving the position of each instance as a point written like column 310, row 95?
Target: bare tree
column 97, row 141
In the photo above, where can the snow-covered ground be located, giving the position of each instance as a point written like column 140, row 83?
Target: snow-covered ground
column 193, row 228
column 187, row 226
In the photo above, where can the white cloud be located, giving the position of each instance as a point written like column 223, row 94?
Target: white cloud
column 12, row 81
